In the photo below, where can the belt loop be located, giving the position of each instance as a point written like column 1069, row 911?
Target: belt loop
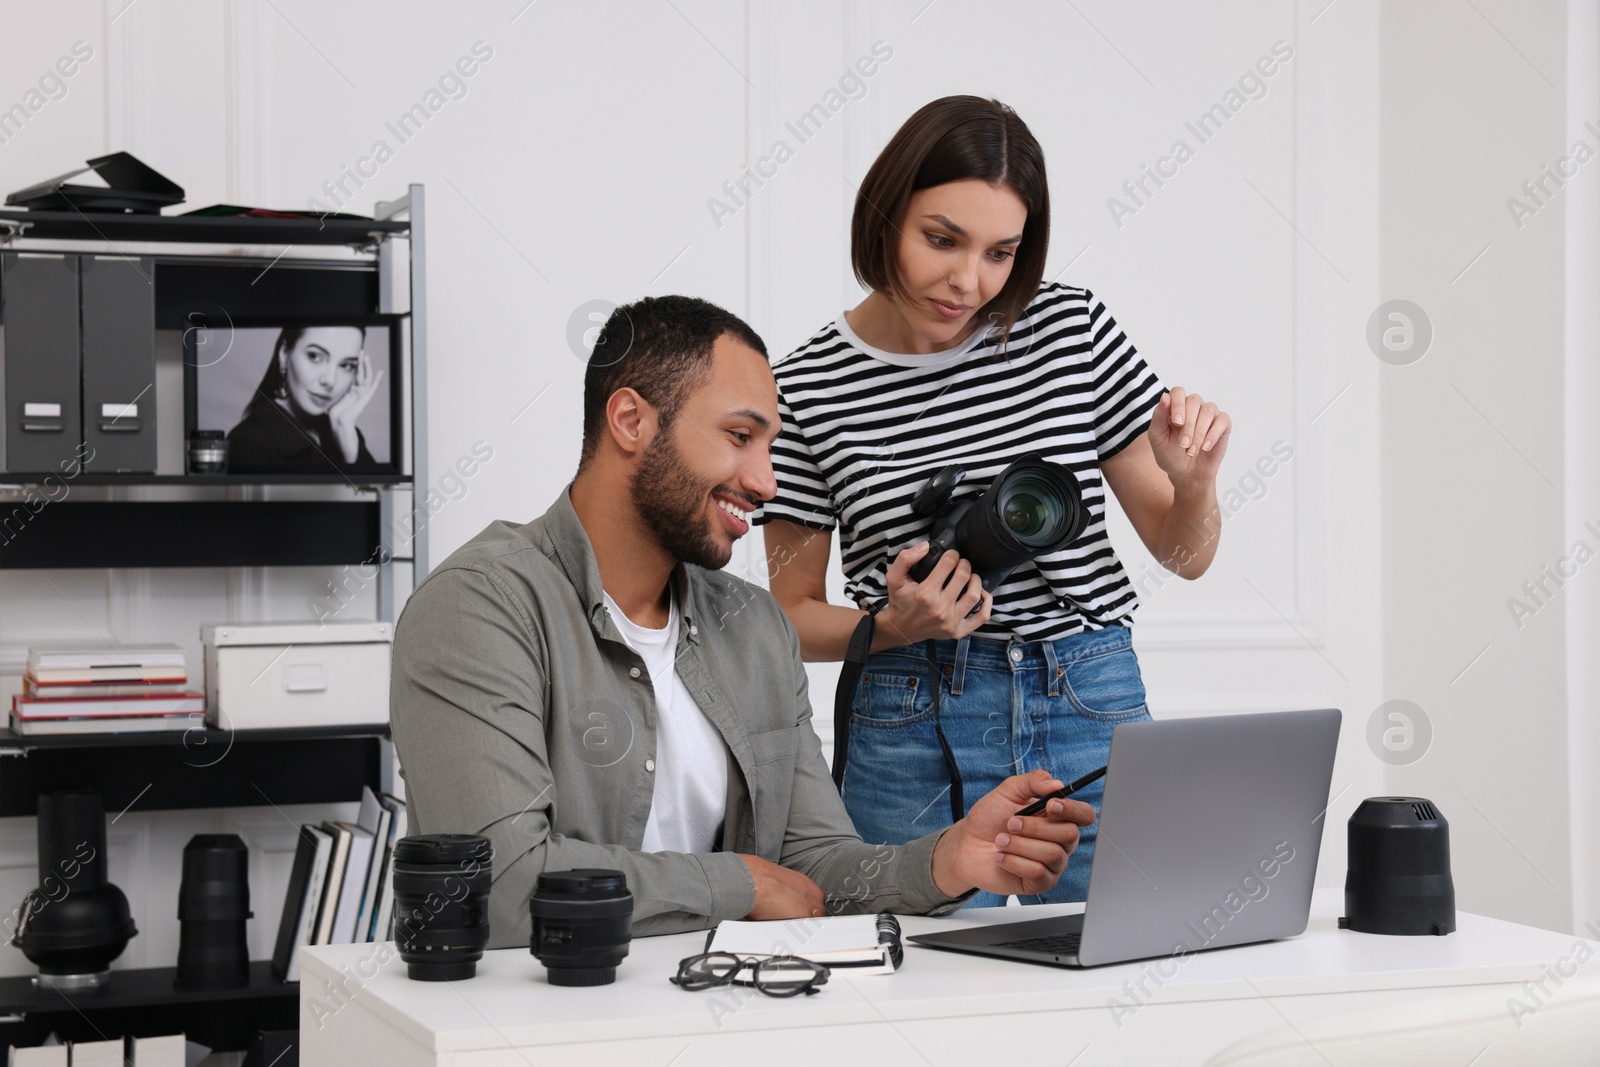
column 961, row 666
column 1053, row 668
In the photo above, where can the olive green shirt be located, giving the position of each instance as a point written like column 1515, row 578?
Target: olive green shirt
column 519, row 713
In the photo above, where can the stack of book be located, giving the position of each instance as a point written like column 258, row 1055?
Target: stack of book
column 340, row 889
column 72, row 688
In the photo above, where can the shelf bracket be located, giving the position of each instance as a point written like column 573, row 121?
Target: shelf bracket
column 374, row 240
column 11, row 229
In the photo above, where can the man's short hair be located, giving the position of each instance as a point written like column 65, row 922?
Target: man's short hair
column 661, row 348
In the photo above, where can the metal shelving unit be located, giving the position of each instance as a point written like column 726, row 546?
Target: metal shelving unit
column 201, row 767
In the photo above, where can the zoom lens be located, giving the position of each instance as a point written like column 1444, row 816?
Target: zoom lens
column 582, row 922
column 1033, row 509
column 213, row 904
column 441, row 904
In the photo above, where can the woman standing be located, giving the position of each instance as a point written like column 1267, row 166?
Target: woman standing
column 960, row 355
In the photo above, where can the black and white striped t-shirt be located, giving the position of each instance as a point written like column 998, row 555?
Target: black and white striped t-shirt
column 864, row 428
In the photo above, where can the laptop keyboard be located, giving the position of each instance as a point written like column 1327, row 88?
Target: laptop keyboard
column 1056, row 944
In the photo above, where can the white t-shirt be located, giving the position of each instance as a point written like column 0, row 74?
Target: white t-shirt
column 691, row 762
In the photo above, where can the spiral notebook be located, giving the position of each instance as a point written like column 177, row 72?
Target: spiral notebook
column 865, row 944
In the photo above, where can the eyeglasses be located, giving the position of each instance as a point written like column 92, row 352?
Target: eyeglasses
column 776, row 976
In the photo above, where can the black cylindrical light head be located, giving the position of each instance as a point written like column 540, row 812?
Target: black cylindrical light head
column 71, row 828
column 1398, row 879
column 75, row 923
column 213, row 904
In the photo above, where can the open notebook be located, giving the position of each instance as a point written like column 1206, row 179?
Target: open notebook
column 865, row 944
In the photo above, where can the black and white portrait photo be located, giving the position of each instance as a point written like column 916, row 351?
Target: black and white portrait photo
column 296, row 397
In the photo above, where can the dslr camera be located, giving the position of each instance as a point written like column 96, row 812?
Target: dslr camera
column 1031, row 508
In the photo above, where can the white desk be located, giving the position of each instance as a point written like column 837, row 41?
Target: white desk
column 940, row 1008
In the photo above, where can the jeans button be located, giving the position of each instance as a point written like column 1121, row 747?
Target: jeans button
column 1016, row 654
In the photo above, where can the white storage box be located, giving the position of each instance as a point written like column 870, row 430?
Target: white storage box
column 279, row 675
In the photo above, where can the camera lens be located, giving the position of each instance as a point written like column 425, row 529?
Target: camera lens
column 1033, row 509
column 441, row 904
column 213, row 904
column 582, row 921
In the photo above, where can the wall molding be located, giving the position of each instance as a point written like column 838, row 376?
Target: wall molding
column 128, row 96
column 242, row 25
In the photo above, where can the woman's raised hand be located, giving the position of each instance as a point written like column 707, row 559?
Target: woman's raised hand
column 938, row 606
column 1189, row 436
column 348, row 408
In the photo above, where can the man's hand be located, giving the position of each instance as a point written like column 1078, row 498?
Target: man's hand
column 782, row 893
column 1001, row 852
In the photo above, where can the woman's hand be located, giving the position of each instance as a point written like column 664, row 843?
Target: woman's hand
column 1189, row 436
column 348, row 408
column 937, row 607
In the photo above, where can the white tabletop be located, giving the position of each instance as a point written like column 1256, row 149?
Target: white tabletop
column 510, row 1004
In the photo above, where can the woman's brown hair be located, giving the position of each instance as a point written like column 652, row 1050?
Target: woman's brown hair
column 950, row 139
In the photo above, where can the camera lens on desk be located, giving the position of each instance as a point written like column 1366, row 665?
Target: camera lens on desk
column 582, row 922
column 441, row 904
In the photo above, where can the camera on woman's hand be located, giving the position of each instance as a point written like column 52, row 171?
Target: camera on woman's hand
column 1031, row 508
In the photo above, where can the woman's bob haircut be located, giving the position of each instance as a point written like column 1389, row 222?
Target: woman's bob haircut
column 948, row 140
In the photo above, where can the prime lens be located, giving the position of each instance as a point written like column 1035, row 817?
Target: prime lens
column 582, row 922
column 441, row 904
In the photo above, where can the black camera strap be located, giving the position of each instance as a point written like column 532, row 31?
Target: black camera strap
column 855, row 661
column 957, row 808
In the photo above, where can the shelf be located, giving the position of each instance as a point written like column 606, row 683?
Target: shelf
column 10, row 739
column 142, row 1002
column 201, row 229
column 86, row 478
column 176, row 769
column 193, row 533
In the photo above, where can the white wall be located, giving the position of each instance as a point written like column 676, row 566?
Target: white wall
column 1474, row 478
column 579, row 165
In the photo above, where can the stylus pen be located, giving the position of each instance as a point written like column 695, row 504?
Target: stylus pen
column 1063, row 793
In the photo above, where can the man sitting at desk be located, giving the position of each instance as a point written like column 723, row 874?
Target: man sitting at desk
column 590, row 690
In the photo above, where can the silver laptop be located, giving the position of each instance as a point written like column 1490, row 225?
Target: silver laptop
column 1209, row 831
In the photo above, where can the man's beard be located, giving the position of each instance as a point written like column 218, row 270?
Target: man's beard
column 672, row 504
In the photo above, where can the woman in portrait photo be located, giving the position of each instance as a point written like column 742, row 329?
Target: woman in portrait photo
column 318, row 382
column 962, row 354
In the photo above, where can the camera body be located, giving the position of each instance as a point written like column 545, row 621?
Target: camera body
column 1031, row 508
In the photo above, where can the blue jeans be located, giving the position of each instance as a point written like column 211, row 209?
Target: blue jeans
column 1007, row 707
